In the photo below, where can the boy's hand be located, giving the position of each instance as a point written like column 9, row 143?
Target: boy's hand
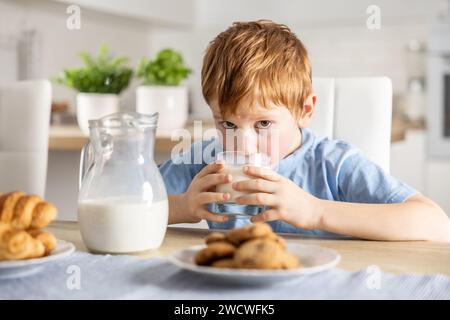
column 202, row 191
column 286, row 200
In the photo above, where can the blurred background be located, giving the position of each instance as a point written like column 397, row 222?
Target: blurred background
column 409, row 43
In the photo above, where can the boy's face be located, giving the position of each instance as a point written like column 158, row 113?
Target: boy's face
column 273, row 131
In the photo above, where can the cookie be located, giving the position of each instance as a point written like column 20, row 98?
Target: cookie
column 260, row 253
column 279, row 240
column 251, row 231
column 214, row 251
column 214, row 237
column 224, row 263
column 290, row 261
column 256, row 246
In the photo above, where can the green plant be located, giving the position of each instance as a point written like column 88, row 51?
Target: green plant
column 100, row 74
column 166, row 69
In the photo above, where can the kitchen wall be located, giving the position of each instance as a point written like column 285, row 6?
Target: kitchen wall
column 334, row 32
column 59, row 46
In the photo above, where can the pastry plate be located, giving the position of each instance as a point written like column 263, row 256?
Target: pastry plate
column 21, row 268
column 313, row 259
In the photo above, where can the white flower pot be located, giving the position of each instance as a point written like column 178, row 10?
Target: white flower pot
column 93, row 106
column 171, row 102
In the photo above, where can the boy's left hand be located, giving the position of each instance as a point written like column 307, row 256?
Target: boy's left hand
column 287, row 201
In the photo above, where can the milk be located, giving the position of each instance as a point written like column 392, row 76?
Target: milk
column 115, row 225
column 238, row 175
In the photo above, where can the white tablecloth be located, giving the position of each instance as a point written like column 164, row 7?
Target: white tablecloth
column 86, row 276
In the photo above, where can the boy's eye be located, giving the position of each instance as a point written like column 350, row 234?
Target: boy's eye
column 263, row 124
column 228, row 125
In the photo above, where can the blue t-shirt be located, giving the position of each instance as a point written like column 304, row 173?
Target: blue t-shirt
column 327, row 169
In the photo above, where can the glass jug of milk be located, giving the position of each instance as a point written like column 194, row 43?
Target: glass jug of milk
column 122, row 203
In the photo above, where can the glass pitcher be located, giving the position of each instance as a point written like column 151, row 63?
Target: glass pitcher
column 122, row 204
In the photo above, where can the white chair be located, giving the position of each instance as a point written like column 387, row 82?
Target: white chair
column 357, row 110
column 24, row 126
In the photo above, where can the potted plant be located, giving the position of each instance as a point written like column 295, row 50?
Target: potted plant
column 161, row 90
column 98, row 83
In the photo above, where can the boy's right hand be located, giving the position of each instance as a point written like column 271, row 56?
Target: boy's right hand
column 202, row 191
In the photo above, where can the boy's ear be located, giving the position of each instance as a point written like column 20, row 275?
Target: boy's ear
column 307, row 113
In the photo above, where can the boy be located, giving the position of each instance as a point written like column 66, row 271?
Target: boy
column 256, row 78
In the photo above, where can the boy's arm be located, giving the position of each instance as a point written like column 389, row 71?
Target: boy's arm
column 190, row 206
column 177, row 209
column 418, row 218
column 190, row 186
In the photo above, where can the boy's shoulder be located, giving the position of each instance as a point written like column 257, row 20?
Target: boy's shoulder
column 325, row 148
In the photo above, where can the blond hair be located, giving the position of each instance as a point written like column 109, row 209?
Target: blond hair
column 262, row 60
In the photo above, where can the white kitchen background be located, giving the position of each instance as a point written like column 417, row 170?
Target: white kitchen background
column 335, row 33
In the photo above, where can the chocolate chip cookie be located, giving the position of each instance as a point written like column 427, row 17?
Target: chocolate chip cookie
column 214, row 251
column 214, row 237
column 260, row 254
column 251, row 231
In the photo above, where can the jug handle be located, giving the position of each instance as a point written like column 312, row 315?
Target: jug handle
column 86, row 161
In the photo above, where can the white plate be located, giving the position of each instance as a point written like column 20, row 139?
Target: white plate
column 21, row 268
column 313, row 259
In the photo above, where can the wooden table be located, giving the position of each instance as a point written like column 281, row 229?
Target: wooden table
column 394, row 257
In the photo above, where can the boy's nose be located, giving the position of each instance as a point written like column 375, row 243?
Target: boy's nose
column 247, row 142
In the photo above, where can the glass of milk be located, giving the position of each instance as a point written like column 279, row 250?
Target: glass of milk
column 235, row 161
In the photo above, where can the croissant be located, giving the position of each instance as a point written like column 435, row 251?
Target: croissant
column 21, row 218
column 26, row 211
column 19, row 244
column 47, row 239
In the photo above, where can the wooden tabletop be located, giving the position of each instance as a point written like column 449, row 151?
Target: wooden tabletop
column 393, row 257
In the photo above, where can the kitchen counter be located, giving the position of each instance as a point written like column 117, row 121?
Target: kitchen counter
column 71, row 138
column 401, row 126
column 392, row 257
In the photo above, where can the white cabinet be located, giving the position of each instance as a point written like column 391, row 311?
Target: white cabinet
column 437, row 182
column 410, row 164
column 408, row 159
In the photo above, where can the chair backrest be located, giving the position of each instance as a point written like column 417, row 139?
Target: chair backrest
column 24, row 127
column 357, row 110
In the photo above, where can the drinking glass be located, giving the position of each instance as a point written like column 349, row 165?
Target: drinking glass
column 235, row 161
